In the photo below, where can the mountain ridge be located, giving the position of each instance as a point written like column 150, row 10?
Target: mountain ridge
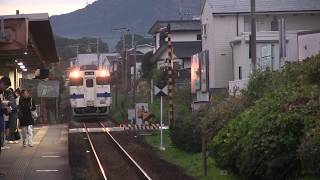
column 100, row 17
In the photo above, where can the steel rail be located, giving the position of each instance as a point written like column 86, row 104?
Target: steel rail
column 95, row 153
column 125, row 152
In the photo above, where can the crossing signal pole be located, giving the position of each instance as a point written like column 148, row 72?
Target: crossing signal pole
column 170, row 76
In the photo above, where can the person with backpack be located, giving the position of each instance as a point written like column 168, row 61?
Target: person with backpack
column 26, row 117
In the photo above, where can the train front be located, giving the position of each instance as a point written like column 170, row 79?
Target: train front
column 90, row 92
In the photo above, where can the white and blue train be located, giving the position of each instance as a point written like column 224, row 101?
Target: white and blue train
column 90, row 91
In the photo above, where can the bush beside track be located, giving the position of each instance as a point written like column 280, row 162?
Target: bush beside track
column 277, row 137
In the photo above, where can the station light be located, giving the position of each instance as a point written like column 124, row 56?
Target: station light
column 75, row 74
column 25, row 70
column 20, row 64
column 25, row 53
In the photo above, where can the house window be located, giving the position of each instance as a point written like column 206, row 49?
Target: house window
column 240, row 73
column 274, row 25
column 199, row 37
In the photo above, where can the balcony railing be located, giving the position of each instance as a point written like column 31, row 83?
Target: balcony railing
column 235, row 87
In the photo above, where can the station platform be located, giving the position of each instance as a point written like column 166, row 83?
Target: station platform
column 47, row 159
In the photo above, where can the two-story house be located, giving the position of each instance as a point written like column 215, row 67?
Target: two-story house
column 186, row 41
column 226, row 27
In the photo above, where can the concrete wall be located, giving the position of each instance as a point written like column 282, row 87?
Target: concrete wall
column 309, row 45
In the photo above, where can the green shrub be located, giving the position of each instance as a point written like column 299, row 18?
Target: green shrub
column 185, row 134
column 278, row 137
column 309, row 152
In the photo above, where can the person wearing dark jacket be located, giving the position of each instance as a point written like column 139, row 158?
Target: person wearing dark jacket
column 26, row 106
column 10, row 101
column 1, row 129
column 1, row 126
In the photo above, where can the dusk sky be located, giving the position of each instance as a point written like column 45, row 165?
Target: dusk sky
column 53, row 7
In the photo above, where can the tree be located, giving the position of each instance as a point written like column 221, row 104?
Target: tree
column 67, row 47
column 147, row 66
column 138, row 39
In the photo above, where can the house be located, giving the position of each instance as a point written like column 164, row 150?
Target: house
column 143, row 48
column 308, row 44
column 138, row 52
column 226, row 26
column 186, row 41
column 102, row 59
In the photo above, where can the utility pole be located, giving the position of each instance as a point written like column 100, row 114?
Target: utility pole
column 170, row 76
column 282, row 42
column 253, row 41
column 98, row 52
column 124, row 56
column 134, row 71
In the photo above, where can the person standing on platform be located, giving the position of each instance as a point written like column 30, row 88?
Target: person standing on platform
column 10, row 101
column 2, row 130
column 26, row 106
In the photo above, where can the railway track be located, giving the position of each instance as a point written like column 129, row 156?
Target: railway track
column 113, row 160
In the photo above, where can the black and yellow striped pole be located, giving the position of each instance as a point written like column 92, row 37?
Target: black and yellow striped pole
column 170, row 77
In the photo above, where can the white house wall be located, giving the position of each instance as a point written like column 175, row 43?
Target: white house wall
column 241, row 51
column 208, row 39
column 185, row 36
column 309, row 45
column 225, row 29
column 293, row 21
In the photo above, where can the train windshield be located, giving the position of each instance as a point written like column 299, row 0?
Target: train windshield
column 89, row 83
column 76, row 81
column 103, row 81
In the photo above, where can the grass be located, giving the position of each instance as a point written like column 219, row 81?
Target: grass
column 191, row 163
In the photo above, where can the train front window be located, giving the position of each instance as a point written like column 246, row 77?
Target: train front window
column 89, row 83
column 76, row 82
column 103, row 81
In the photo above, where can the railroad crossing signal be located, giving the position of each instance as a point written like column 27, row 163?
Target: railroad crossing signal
column 161, row 92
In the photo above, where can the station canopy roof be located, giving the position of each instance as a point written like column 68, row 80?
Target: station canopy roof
column 30, row 40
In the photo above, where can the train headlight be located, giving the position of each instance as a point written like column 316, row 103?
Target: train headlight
column 104, row 73
column 75, row 74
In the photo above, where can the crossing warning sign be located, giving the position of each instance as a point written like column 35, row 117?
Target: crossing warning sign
column 161, row 92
